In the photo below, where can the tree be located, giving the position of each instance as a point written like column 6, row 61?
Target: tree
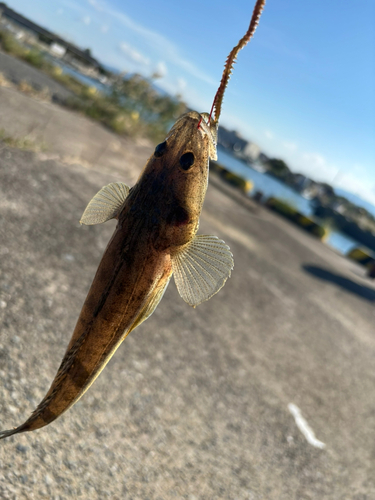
column 278, row 167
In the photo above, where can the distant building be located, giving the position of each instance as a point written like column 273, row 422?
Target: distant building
column 58, row 50
column 301, row 182
column 262, row 158
column 24, row 28
column 338, row 206
column 251, row 151
column 246, row 150
column 230, row 139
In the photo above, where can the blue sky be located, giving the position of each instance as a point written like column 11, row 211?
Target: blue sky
column 303, row 89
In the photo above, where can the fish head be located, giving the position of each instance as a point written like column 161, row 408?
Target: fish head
column 188, row 147
column 176, row 176
column 199, row 129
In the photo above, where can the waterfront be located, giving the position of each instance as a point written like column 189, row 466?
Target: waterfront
column 271, row 187
column 261, row 182
column 265, row 183
column 85, row 79
column 18, row 70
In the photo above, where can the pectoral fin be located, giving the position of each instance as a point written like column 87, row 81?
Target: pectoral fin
column 201, row 268
column 106, row 204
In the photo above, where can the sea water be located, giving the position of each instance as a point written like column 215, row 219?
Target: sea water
column 272, row 187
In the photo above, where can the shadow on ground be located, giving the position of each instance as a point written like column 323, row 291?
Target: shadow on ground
column 339, row 280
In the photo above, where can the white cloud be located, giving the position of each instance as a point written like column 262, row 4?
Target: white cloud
column 291, row 146
column 279, row 42
column 133, row 54
column 314, row 159
column 86, row 20
column 173, row 87
column 73, row 6
column 96, row 5
column 155, row 40
column 313, row 164
column 359, row 185
column 161, row 69
column 163, row 45
column 232, row 122
column 181, row 84
column 59, row 12
column 310, row 163
column 104, row 28
column 319, row 168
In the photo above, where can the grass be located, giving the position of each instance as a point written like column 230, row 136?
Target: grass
column 4, row 82
column 289, row 212
column 22, row 143
column 26, row 88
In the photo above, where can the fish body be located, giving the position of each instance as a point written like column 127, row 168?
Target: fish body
column 157, row 222
column 155, row 237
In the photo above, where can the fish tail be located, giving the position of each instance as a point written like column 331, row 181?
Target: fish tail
column 88, row 353
column 72, row 380
column 37, row 420
column 10, row 432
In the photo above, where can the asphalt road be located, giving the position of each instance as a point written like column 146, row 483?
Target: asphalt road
column 194, row 404
column 18, row 71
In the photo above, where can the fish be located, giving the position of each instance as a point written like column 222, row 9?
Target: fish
column 155, row 238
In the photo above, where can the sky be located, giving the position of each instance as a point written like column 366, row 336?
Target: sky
column 303, row 89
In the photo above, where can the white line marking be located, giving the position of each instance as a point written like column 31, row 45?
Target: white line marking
column 304, row 427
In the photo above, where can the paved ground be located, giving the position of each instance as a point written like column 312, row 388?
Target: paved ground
column 18, row 71
column 194, row 404
column 70, row 137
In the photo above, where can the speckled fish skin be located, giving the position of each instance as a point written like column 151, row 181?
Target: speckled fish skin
column 155, row 237
column 159, row 216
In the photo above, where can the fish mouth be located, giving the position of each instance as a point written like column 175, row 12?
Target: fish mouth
column 206, row 128
column 210, row 128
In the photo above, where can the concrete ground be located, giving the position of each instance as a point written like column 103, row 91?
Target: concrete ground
column 17, row 71
column 69, row 136
column 194, row 404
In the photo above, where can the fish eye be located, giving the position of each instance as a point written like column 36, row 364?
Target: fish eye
column 186, row 161
column 160, row 149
